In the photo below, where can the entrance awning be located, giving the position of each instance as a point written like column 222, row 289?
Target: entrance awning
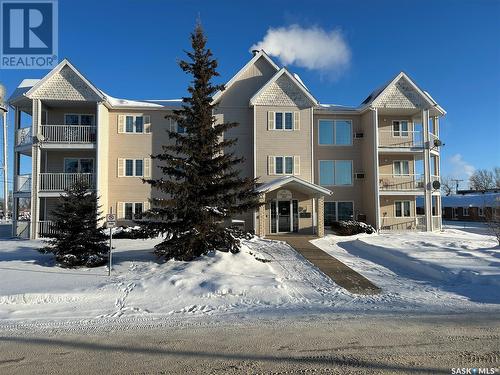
column 297, row 184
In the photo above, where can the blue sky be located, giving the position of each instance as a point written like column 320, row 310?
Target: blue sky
column 129, row 49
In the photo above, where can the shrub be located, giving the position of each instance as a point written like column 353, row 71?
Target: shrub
column 351, row 227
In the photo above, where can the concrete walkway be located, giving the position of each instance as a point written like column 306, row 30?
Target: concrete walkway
column 342, row 275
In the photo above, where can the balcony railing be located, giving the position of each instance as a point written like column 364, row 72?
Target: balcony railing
column 68, row 133
column 390, row 182
column 402, row 139
column 436, row 222
column 45, row 229
column 62, row 181
column 399, row 223
column 23, row 183
column 23, row 136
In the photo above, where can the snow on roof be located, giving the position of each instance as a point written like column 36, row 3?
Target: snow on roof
column 297, row 77
column 338, row 107
column 23, row 87
column 147, row 103
column 471, row 200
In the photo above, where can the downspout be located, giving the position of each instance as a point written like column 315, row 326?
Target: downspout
column 375, row 168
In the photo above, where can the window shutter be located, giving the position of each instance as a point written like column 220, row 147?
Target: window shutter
column 146, row 206
column 270, row 165
column 296, row 120
column 121, row 124
column 296, row 165
column 147, row 168
column 121, row 167
column 119, row 210
column 172, row 125
column 147, row 123
column 270, row 120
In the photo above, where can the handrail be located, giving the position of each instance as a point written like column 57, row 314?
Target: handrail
column 62, row 181
column 68, row 133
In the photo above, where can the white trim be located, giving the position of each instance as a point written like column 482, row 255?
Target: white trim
column 284, row 164
column 57, row 69
column 282, row 71
column 401, row 169
column 337, row 208
column 279, row 182
column 74, row 157
column 257, row 56
column 402, row 208
column 334, row 167
column 335, row 132
column 283, row 121
column 133, row 210
column 408, row 131
column 134, row 116
column 79, row 118
column 133, row 168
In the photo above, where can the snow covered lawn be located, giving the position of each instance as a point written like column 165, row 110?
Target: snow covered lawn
column 438, row 272
column 457, row 266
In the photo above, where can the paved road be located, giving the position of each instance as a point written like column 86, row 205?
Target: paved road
column 336, row 344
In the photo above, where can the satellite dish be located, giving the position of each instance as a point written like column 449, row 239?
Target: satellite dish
column 436, row 185
column 39, row 138
column 437, row 143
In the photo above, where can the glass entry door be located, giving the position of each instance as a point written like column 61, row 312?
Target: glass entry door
column 284, row 217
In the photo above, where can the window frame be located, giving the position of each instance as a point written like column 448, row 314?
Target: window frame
column 283, row 121
column 334, row 169
column 134, row 168
column 334, row 121
column 79, row 164
column 401, row 131
column 465, row 211
column 336, row 207
column 133, row 210
column 283, row 164
column 134, row 117
column 402, row 202
column 400, row 162
column 79, row 118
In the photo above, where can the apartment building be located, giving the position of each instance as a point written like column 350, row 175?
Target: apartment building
column 316, row 163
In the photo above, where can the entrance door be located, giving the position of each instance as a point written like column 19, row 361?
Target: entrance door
column 284, row 217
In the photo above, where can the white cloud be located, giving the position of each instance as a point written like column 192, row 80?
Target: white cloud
column 460, row 168
column 312, row 48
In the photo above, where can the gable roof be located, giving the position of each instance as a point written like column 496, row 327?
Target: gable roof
column 218, row 95
column 280, row 73
column 282, row 181
column 56, row 70
column 379, row 92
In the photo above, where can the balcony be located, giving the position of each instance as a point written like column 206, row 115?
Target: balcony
column 408, row 182
column 58, row 182
column 392, row 223
column 23, row 137
column 400, row 140
column 23, row 183
column 68, row 133
column 46, row 229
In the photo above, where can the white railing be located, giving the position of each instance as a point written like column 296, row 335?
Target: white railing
column 45, row 229
column 62, row 181
column 436, row 222
column 398, row 223
column 68, row 133
column 23, row 136
column 402, row 139
column 401, row 182
column 23, row 183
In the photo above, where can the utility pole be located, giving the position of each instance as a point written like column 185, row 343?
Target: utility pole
column 3, row 112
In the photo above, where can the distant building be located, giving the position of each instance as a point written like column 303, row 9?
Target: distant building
column 470, row 206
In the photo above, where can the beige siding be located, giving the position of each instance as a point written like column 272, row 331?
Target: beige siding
column 56, row 116
column 134, row 146
column 283, row 143
column 53, row 161
column 369, row 165
column 386, row 163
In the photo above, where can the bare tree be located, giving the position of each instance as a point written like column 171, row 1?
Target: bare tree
column 482, row 179
column 492, row 218
column 447, row 187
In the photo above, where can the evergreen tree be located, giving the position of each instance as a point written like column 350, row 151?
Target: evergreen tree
column 202, row 185
column 77, row 240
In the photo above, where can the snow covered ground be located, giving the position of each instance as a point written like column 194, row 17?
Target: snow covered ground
column 439, row 272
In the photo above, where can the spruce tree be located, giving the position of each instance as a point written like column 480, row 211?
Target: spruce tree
column 201, row 184
column 77, row 239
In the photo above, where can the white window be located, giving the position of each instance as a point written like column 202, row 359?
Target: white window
column 134, row 124
column 134, row 167
column 338, row 211
column 466, row 211
column 402, row 209
column 335, row 172
column 284, row 165
column 400, row 128
column 78, row 119
column 283, row 120
column 335, row 132
column 401, row 168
